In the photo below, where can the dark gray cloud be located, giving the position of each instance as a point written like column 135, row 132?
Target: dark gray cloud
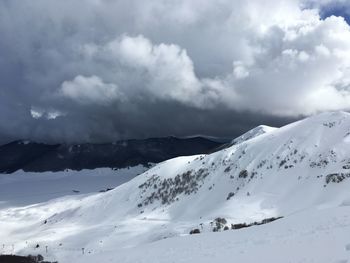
column 104, row 70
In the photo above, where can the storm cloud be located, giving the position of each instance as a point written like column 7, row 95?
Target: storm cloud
column 101, row 70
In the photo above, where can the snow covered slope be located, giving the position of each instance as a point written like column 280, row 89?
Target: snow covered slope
column 261, row 129
column 300, row 171
column 319, row 236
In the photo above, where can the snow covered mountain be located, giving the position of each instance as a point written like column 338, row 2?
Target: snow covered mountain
column 300, row 172
column 261, row 129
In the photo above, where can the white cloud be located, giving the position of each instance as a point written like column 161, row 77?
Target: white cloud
column 53, row 114
column 290, row 67
column 36, row 114
column 87, row 90
column 50, row 114
column 163, row 71
column 298, row 75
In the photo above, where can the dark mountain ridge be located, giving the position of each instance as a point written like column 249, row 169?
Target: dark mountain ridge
column 39, row 157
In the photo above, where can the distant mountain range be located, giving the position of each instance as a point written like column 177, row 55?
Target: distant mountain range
column 38, row 157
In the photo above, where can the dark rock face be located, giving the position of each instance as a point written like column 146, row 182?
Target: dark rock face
column 37, row 157
column 168, row 190
column 337, row 177
column 20, row 259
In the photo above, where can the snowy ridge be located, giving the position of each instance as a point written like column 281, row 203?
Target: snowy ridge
column 297, row 171
column 257, row 131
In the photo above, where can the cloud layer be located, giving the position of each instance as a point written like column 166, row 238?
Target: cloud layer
column 105, row 70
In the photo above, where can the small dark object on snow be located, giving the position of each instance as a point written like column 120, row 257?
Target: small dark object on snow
column 195, row 231
column 243, row 174
column 238, row 226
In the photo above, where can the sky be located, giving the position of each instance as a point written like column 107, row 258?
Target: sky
column 103, row 70
column 336, row 8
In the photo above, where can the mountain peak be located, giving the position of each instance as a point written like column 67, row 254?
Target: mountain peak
column 255, row 132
